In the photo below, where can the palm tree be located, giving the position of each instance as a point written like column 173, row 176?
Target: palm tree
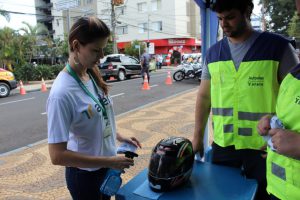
column 7, row 47
column 34, row 37
column 5, row 14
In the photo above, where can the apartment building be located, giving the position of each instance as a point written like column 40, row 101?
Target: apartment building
column 173, row 24
column 44, row 15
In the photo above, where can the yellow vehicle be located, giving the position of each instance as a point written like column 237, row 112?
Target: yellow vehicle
column 7, row 82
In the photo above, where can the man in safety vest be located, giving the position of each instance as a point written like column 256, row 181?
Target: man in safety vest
column 283, row 163
column 240, row 83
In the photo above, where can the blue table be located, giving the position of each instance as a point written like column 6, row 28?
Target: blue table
column 207, row 182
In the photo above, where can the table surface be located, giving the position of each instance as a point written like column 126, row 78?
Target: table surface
column 207, row 182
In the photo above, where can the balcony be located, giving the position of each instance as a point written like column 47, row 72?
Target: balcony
column 46, row 19
column 47, row 6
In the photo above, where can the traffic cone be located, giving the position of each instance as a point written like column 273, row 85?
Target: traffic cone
column 43, row 87
column 22, row 90
column 112, row 78
column 169, row 79
column 146, row 84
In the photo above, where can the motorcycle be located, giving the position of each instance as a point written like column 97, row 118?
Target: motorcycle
column 188, row 71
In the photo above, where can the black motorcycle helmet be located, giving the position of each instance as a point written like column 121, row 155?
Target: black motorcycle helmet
column 171, row 164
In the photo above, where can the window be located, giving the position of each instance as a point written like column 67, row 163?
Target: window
column 142, row 27
column 157, row 26
column 89, row 1
column 120, row 10
column 121, row 30
column 142, row 7
column 156, row 5
column 133, row 61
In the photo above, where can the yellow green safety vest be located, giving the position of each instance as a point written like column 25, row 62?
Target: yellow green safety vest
column 240, row 98
column 283, row 173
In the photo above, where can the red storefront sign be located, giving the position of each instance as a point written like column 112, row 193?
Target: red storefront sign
column 163, row 45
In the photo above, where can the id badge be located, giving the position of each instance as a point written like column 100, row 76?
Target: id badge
column 108, row 129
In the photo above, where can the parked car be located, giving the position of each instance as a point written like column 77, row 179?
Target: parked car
column 7, row 82
column 119, row 66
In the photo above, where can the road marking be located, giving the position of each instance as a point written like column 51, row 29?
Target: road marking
column 112, row 96
column 44, row 113
column 153, row 86
column 16, row 101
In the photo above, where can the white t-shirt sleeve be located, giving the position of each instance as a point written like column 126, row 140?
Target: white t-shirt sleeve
column 59, row 120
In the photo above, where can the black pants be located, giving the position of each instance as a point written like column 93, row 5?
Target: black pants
column 85, row 185
column 251, row 161
column 145, row 69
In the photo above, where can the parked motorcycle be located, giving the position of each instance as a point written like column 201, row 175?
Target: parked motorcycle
column 188, row 71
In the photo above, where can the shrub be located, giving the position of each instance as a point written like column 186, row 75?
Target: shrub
column 28, row 72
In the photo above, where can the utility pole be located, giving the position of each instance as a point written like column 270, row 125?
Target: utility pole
column 113, row 27
column 148, row 25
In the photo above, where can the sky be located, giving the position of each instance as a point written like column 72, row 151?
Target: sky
column 27, row 6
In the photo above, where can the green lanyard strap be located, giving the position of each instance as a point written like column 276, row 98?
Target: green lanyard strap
column 83, row 87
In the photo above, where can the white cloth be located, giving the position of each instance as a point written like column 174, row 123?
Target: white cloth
column 73, row 118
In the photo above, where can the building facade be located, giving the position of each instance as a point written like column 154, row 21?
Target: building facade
column 168, row 25
column 174, row 25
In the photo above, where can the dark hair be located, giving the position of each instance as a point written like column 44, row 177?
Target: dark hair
column 227, row 5
column 87, row 30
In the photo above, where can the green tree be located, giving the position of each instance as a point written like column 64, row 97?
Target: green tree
column 5, row 14
column 294, row 27
column 131, row 50
column 7, row 46
column 33, row 35
column 280, row 13
column 109, row 48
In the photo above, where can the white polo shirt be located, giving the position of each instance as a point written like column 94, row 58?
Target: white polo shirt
column 73, row 118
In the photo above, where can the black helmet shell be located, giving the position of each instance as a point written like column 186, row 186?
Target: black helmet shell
column 171, row 163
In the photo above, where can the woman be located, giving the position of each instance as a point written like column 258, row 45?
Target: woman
column 81, row 124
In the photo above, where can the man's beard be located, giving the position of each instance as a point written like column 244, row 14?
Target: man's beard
column 239, row 30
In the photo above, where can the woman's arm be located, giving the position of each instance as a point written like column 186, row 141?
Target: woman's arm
column 60, row 155
column 131, row 140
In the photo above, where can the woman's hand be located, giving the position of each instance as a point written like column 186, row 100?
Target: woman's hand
column 263, row 125
column 120, row 162
column 131, row 140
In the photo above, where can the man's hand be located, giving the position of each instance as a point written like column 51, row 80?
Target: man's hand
column 263, row 125
column 198, row 146
column 286, row 142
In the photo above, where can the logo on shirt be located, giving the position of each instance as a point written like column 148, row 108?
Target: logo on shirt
column 297, row 100
column 89, row 112
column 256, row 81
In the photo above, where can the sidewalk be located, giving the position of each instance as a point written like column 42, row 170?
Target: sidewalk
column 33, row 86
column 29, row 174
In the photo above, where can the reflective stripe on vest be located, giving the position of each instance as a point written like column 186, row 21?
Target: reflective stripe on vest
column 283, row 173
column 240, row 98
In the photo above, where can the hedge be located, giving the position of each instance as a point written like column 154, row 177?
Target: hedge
column 28, row 72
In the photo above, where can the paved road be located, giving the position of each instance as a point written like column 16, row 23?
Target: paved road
column 23, row 118
column 28, row 174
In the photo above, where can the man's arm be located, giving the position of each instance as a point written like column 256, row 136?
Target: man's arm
column 202, row 110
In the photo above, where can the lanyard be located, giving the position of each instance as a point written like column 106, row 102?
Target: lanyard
column 83, row 87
